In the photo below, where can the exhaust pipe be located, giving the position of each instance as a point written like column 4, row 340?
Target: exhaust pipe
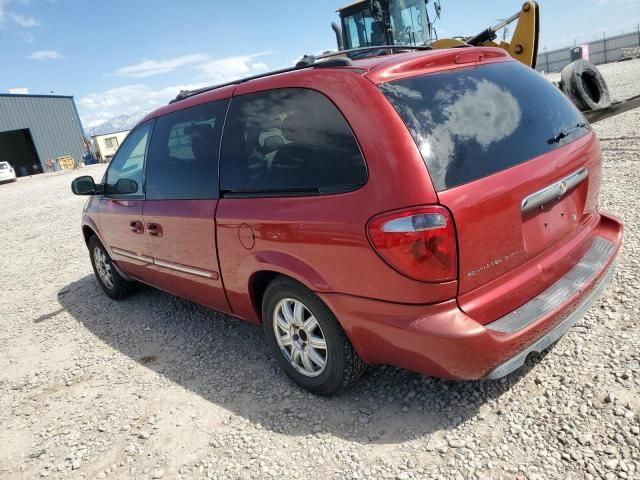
column 338, row 31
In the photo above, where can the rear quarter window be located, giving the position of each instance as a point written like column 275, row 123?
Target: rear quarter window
column 290, row 141
column 473, row 122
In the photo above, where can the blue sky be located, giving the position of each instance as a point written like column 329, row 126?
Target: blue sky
column 119, row 57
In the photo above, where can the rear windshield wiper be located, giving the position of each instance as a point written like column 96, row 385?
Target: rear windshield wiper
column 566, row 132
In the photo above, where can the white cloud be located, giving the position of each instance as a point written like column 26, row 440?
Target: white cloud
column 98, row 107
column 46, row 55
column 3, row 10
column 20, row 20
column 225, row 69
column 25, row 22
column 147, row 68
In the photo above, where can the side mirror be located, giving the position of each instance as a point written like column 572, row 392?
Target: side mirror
column 125, row 186
column 83, row 185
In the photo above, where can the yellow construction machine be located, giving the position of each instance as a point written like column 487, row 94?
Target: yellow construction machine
column 372, row 27
column 367, row 23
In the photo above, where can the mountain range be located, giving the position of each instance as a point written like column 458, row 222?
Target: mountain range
column 117, row 124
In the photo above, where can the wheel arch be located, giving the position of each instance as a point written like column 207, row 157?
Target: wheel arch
column 89, row 228
column 87, row 233
column 260, row 280
column 279, row 264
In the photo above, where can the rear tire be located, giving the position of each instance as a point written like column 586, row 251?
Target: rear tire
column 113, row 284
column 307, row 340
column 585, row 86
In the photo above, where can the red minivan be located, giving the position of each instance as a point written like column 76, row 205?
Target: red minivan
column 432, row 210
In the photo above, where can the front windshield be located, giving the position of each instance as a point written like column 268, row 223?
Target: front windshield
column 359, row 30
column 407, row 19
column 408, row 22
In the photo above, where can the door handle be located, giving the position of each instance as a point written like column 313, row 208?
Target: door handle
column 154, row 229
column 136, row 226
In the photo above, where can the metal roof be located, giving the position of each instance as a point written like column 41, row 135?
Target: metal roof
column 110, row 133
column 352, row 4
column 34, row 95
column 52, row 121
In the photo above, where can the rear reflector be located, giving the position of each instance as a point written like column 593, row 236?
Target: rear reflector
column 419, row 243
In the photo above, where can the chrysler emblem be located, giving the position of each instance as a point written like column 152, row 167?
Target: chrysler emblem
column 562, row 187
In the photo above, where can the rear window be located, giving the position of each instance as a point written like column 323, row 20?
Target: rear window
column 473, row 122
column 4, row 165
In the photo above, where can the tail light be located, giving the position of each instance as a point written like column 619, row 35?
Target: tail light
column 419, row 243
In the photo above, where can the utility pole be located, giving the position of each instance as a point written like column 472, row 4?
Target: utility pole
column 638, row 27
column 604, row 46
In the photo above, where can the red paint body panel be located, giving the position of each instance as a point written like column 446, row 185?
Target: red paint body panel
column 321, row 241
column 189, row 240
column 434, row 61
column 115, row 218
column 507, row 257
column 442, row 340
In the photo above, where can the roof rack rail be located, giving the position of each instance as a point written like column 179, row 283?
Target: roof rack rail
column 340, row 58
column 310, row 59
column 190, row 93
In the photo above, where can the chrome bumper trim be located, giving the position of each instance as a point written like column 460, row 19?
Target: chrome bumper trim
column 134, row 256
column 162, row 263
column 547, row 340
column 182, row 268
column 553, row 297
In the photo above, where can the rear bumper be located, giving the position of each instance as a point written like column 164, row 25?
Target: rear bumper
column 548, row 339
column 441, row 340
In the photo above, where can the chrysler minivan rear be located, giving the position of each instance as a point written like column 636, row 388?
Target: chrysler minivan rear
column 516, row 168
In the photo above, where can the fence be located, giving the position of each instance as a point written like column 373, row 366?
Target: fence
column 600, row 51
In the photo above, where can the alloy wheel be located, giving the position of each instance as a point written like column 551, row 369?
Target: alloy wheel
column 103, row 267
column 300, row 337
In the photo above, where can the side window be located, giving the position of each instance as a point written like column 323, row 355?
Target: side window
column 111, row 142
column 288, row 141
column 183, row 155
column 128, row 162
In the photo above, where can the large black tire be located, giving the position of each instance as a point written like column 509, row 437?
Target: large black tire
column 585, row 86
column 343, row 367
column 114, row 285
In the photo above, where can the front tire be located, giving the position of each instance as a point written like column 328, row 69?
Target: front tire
column 307, row 340
column 112, row 283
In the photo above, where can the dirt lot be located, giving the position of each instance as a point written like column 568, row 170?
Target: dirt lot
column 156, row 387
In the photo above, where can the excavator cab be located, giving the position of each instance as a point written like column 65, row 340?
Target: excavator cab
column 367, row 23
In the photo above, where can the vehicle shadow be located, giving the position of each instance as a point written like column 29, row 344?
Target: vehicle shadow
column 226, row 362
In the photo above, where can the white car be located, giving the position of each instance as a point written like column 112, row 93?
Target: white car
column 7, row 173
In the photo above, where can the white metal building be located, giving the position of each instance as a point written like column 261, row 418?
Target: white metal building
column 35, row 130
column 105, row 146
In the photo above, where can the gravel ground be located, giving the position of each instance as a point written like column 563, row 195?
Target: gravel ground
column 156, row 387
